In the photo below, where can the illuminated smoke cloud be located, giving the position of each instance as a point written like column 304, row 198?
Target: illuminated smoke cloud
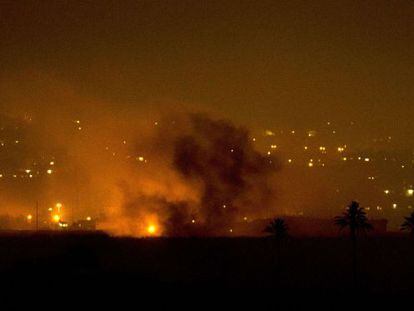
column 177, row 175
column 218, row 161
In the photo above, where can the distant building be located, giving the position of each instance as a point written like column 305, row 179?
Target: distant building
column 84, row 224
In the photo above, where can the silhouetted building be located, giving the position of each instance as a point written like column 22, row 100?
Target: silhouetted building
column 89, row 225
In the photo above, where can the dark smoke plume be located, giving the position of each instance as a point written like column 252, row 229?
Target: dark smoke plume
column 218, row 161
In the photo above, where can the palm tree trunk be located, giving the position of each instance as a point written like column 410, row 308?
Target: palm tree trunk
column 354, row 257
column 277, row 262
column 277, row 252
column 275, row 245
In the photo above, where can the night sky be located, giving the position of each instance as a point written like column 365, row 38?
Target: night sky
column 86, row 85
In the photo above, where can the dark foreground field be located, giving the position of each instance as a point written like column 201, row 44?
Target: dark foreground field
column 386, row 264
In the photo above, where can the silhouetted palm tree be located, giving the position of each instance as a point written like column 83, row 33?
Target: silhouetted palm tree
column 408, row 224
column 278, row 230
column 356, row 220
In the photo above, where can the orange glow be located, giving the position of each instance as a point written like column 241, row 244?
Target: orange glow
column 56, row 218
column 29, row 217
column 151, row 229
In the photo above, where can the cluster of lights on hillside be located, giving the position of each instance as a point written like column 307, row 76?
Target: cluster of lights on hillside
column 312, row 155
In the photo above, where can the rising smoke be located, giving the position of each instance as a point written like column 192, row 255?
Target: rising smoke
column 224, row 179
column 185, row 173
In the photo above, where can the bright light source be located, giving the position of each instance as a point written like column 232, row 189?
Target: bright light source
column 63, row 224
column 88, row 218
column 29, row 217
column 49, row 171
column 151, row 229
column 56, row 218
column 410, row 192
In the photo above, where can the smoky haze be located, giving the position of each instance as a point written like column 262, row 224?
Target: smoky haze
column 186, row 173
column 213, row 174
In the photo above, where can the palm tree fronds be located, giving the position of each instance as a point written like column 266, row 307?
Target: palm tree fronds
column 355, row 218
column 277, row 228
column 408, row 223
